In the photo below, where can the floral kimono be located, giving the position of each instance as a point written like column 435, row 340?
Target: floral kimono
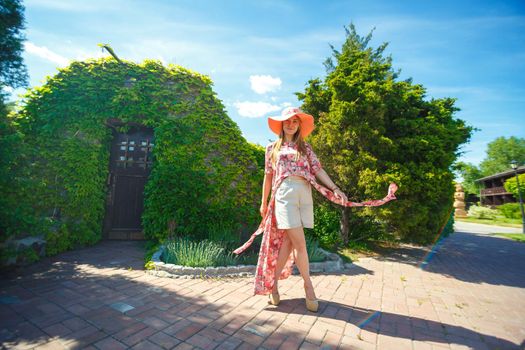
column 286, row 165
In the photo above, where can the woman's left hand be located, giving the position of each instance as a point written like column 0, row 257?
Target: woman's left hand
column 339, row 194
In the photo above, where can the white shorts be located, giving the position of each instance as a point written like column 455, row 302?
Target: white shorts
column 294, row 206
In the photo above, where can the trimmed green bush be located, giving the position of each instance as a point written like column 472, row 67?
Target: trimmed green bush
column 510, row 210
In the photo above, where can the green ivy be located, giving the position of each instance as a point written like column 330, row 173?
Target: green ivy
column 205, row 174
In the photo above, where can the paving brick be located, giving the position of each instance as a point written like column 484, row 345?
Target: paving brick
column 308, row 346
column 331, row 340
column 274, row 340
column 213, row 334
column 234, row 326
column 201, row 342
column 188, row 331
column 184, row 346
column 75, row 323
column 230, row 343
column 291, row 343
column 249, row 337
column 465, row 297
column 113, row 324
column 155, row 322
column 135, row 338
column 110, row 343
column 52, row 345
column 129, row 331
column 57, row 330
column 84, row 337
column 146, row 345
column 164, row 340
column 77, row 309
column 316, row 335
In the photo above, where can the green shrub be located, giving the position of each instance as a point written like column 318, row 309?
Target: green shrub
column 511, row 185
column 207, row 253
column 204, row 253
column 362, row 226
column 367, row 227
column 205, row 174
column 314, row 252
column 326, row 228
column 482, row 212
column 510, row 210
column 225, row 234
column 197, row 254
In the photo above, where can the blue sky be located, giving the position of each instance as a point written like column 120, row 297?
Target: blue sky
column 258, row 53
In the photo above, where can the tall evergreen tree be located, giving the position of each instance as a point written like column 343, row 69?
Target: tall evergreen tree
column 373, row 129
column 13, row 72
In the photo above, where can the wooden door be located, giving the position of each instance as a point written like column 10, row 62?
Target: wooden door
column 130, row 165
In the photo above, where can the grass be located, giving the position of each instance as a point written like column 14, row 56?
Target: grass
column 519, row 237
column 500, row 221
column 203, row 254
column 207, row 253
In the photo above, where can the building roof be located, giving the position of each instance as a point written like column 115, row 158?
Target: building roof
column 520, row 170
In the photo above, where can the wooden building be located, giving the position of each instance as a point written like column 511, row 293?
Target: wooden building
column 493, row 192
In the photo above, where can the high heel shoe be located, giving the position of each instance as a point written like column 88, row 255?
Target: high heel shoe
column 312, row 305
column 275, row 299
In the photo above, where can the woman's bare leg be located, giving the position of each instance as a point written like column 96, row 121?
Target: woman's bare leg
column 284, row 253
column 296, row 236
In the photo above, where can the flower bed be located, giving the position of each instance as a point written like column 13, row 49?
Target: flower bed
column 159, row 268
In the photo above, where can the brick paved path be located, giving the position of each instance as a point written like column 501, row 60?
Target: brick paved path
column 470, row 295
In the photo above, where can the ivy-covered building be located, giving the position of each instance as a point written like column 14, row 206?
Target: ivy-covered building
column 126, row 151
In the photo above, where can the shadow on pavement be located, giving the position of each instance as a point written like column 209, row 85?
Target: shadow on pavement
column 400, row 326
column 482, row 258
column 101, row 296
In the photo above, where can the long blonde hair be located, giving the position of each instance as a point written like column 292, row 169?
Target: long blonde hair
column 297, row 139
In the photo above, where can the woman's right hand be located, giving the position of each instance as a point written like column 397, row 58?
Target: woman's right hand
column 262, row 210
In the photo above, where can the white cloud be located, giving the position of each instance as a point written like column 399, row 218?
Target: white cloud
column 45, row 53
column 258, row 109
column 262, row 84
column 255, row 109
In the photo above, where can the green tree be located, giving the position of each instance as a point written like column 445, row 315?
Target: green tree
column 373, row 129
column 501, row 152
column 470, row 173
column 13, row 72
column 512, row 186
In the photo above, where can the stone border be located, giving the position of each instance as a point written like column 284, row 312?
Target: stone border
column 334, row 263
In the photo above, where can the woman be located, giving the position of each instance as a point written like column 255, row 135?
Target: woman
column 291, row 168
